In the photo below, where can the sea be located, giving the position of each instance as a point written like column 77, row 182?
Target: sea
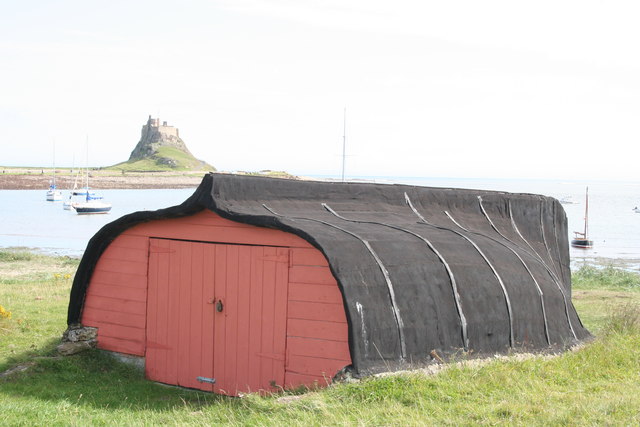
column 28, row 221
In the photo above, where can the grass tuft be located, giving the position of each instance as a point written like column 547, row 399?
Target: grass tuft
column 608, row 277
column 15, row 255
column 623, row 319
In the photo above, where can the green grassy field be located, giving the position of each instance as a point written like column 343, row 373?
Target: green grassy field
column 180, row 161
column 598, row 384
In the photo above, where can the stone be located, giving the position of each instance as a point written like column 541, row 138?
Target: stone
column 85, row 333
column 68, row 348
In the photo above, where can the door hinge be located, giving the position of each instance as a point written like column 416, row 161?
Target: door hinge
column 206, row 380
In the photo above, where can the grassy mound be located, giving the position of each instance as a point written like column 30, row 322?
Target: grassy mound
column 165, row 159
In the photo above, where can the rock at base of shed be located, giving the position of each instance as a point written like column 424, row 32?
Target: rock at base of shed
column 77, row 338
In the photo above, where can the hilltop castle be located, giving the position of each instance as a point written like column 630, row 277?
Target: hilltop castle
column 153, row 125
column 153, row 136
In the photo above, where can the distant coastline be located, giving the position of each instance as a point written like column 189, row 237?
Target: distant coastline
column 39, row 179
column 14, row 178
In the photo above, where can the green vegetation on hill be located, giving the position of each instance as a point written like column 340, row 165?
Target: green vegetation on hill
column 598, row 384
column 165, row 159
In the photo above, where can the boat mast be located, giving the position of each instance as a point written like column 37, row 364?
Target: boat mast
column 586, row 212
column 87, row 166
column 344, row 140
column 54, row 163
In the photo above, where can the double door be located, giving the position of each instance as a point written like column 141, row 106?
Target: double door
column 216, row 316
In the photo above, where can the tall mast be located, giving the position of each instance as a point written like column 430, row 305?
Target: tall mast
column 586, row 212
column 344, row 140
column 54, row 162
column 87, row 163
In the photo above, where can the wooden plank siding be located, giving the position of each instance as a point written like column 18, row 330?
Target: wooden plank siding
column 116, row 299
column 317, row 331
column 316, row 338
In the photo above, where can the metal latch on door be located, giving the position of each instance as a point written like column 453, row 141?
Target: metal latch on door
column 218, row 303
column 206, row 380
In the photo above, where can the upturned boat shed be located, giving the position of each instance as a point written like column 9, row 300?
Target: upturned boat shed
column 254, row 284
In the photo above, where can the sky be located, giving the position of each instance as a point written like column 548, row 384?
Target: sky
column 491, row 89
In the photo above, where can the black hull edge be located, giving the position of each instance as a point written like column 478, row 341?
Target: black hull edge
column 582, row 243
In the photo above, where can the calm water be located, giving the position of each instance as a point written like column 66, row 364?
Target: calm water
column 27, row 220
column 613, row 225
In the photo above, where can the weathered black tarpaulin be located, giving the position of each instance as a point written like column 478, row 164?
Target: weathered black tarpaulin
column 420, row 268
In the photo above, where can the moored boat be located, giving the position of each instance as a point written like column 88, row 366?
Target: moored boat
column 92, row 205
column 77, row 196
column 581, row 238
column 53, row 194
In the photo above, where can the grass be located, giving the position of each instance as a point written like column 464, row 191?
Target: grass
column 607, row 277
column 600, row 294
column 181, row 161
column 595, row 385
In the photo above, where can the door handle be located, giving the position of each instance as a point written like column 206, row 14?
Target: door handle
column 219, row 306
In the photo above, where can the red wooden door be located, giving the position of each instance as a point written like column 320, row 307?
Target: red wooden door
column 217, row 311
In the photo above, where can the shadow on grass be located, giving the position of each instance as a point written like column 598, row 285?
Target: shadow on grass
column 95, row 379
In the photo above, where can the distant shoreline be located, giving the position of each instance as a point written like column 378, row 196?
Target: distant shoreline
column 102, row 179
column 39, row 179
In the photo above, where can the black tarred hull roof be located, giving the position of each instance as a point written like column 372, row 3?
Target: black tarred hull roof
column 420, row 269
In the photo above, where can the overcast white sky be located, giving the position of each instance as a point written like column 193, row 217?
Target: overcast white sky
column 544, row 89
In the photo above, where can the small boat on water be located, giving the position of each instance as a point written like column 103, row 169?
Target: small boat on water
column 91, row 205
column 53, row 194
column 74, row 192
column 581, row 238
column 77, row 196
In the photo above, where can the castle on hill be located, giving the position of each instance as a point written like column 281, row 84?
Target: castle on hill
column 153, row 135
column 162, row 144
column 153, row 125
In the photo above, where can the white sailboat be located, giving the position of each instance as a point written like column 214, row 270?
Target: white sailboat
column 76, row 194
column 92, row 204
column 53, row 194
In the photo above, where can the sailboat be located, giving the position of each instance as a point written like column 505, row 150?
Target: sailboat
column 581, row 238
column 53, row 194
column 92, row 203
column 76, row 194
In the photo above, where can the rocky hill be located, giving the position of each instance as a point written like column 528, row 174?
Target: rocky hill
column 160, row 148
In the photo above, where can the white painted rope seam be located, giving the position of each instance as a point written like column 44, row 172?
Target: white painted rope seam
column 456, row 296
column 551, row 273
column 385, row 273
column 495, row 273
column 540, row 293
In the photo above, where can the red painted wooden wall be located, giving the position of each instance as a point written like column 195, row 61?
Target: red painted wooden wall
column 286, row 329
